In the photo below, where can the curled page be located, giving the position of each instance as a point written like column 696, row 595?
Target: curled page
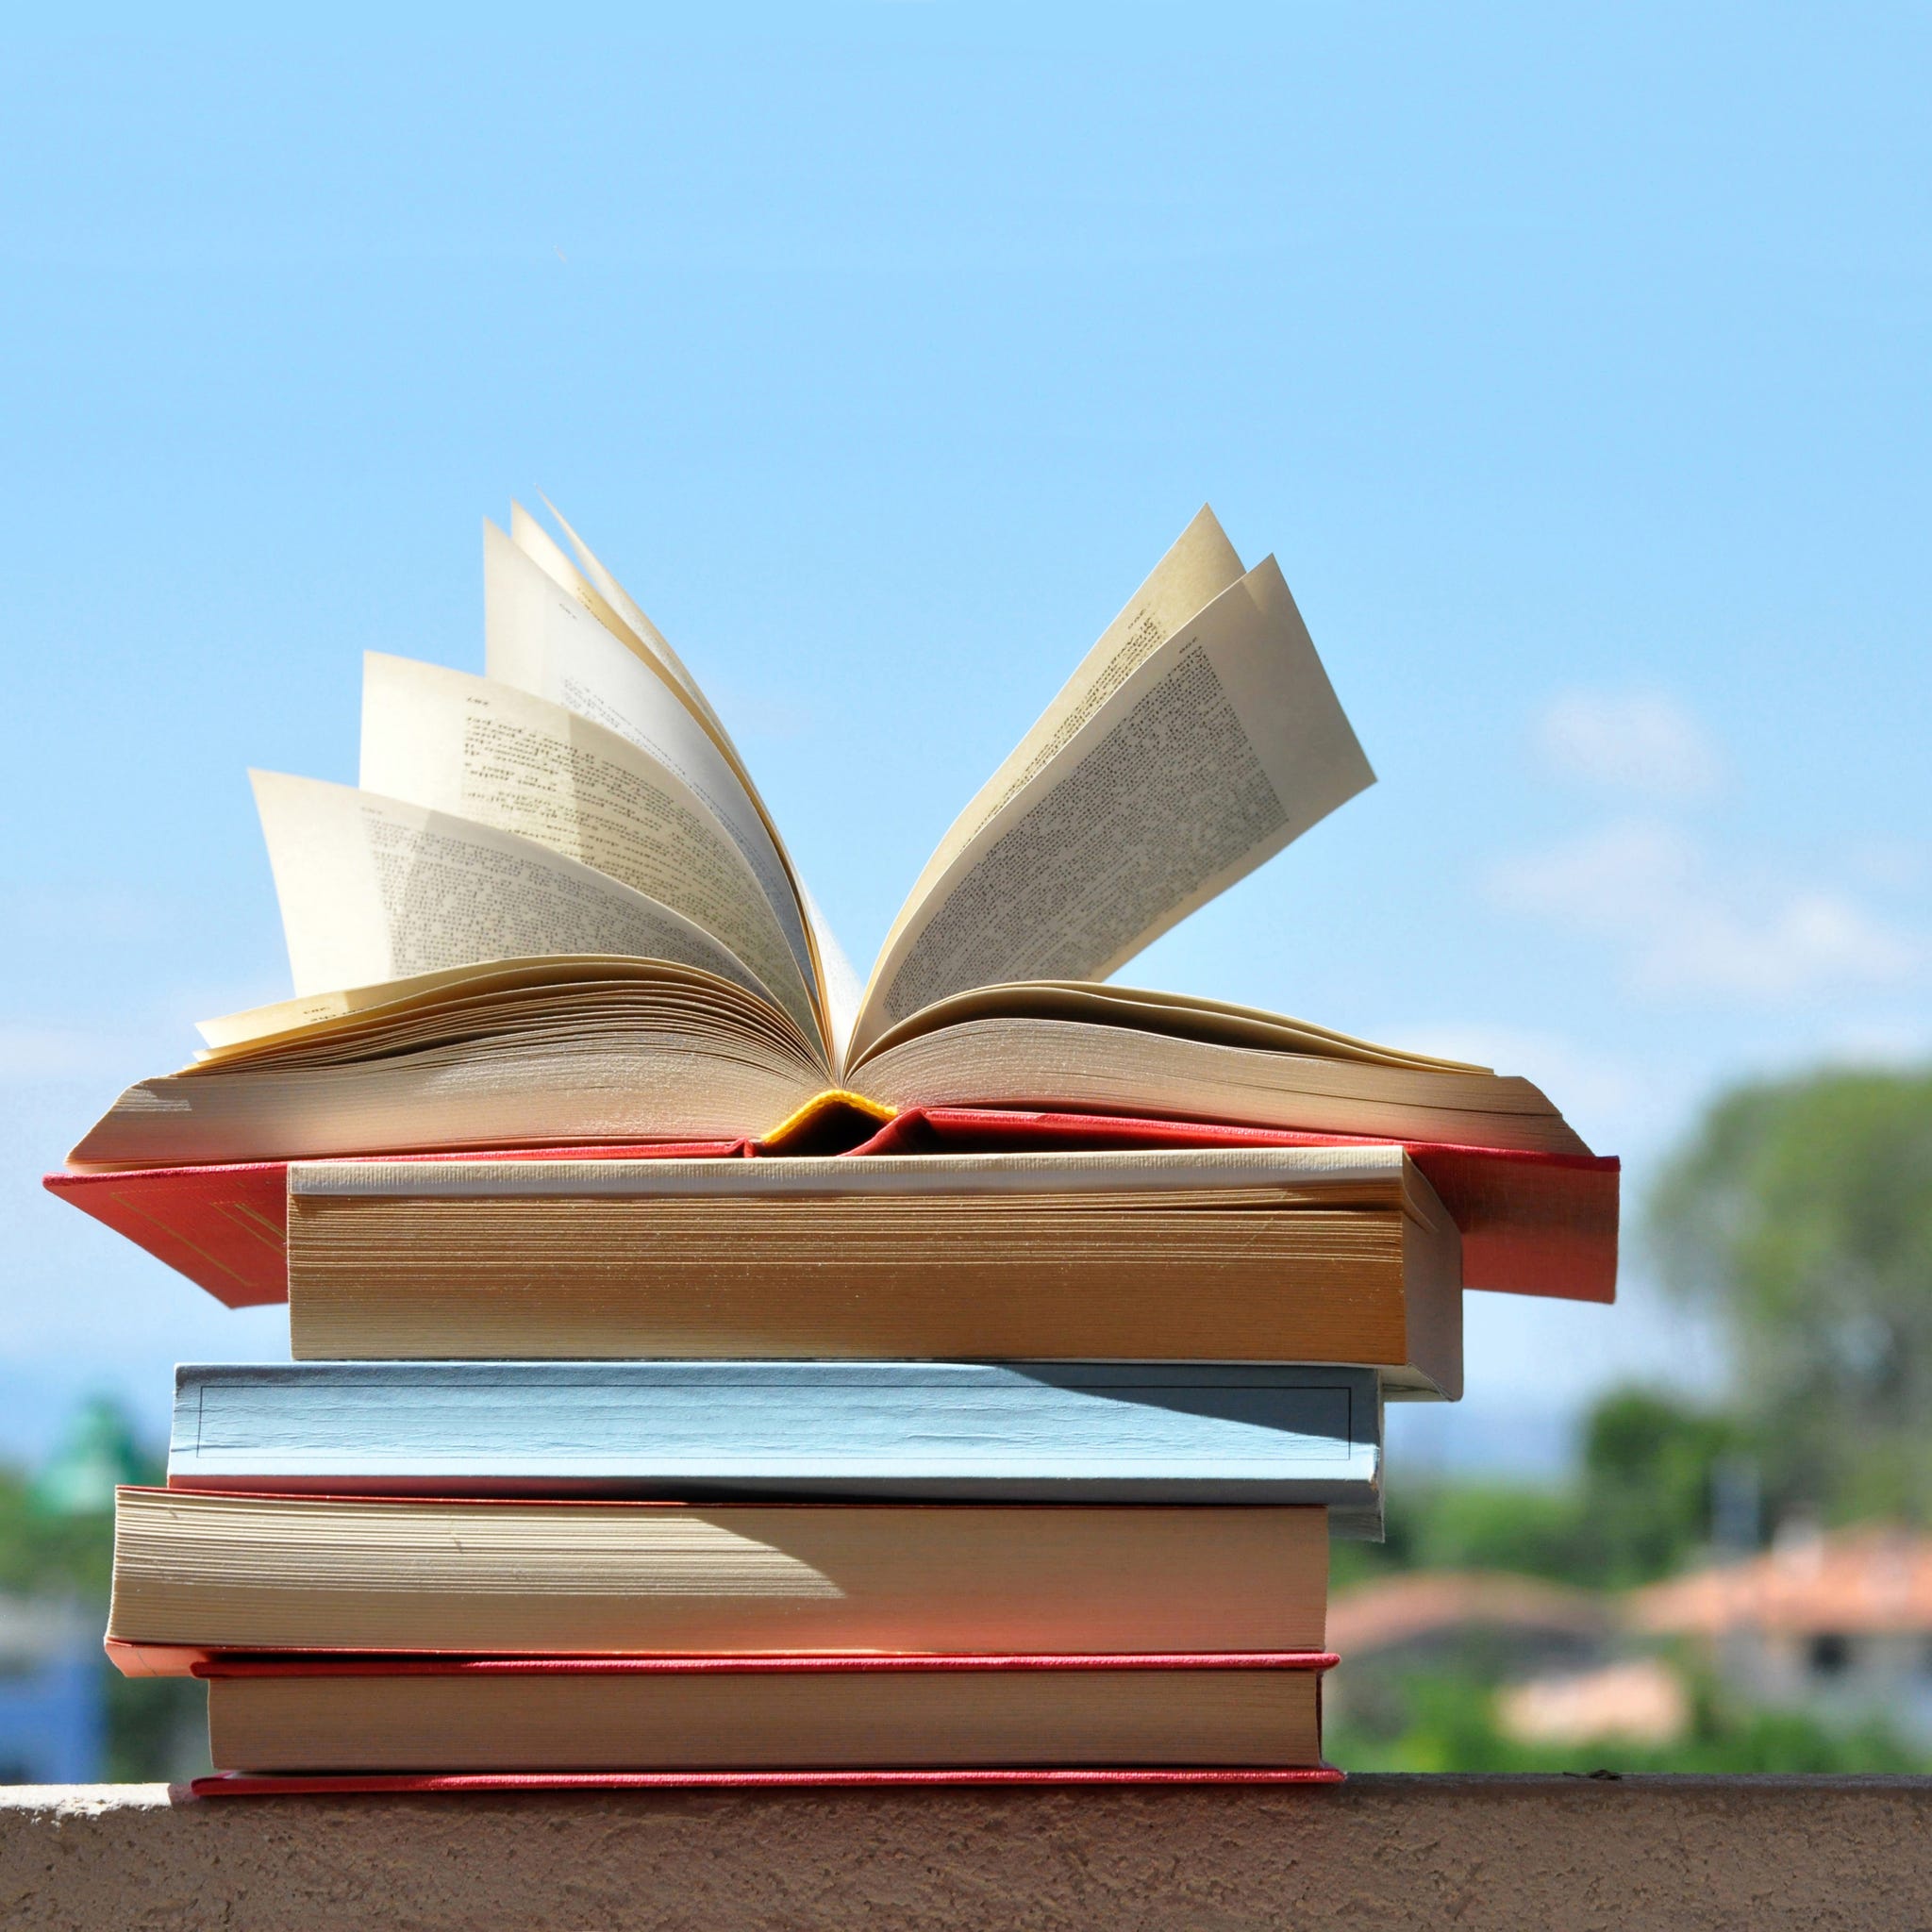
column 599, row 593
column 530, row 537
column 373, row 888
column 1224, row 743
column 840, row 985
column 492, row 754
column 540, row 639
column 1201, row 564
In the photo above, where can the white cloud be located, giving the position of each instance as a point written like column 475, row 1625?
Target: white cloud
column 1686, row 923
column 1641, row 743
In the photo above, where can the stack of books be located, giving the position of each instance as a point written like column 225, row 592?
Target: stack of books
column 708, row 1369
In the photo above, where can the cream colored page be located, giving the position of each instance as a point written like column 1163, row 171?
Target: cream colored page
column 1171, row 1013
column 630, row 626
column 839, row 987
column 540, row 639
column 534, row 542
column 1225, row 744
column 1201, row 564
column 257, row 1027
column 373, row 888
column 839, row 984
column 490, row 752
column 525, row 529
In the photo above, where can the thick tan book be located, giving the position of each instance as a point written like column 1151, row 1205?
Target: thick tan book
column 1284, row 1254
column 556, row 909
column 205, row 1573
column 291, row 1717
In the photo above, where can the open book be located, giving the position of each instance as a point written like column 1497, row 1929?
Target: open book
column 557, row 910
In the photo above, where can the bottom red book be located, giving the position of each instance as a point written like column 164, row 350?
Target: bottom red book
column 285, row 1724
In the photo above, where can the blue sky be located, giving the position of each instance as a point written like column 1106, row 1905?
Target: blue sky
column 1574, row 364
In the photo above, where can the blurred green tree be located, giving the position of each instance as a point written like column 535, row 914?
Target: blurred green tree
column 1649, row 1464
column 97, row 1451
column 1800, row 1214
column 1448, row 1723
column 56, row 1539
column 1637, row 1508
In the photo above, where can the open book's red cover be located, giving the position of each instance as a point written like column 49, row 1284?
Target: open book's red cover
column 1532, row 1224
column 246, row 1784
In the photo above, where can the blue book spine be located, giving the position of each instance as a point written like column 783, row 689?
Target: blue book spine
column 956, row 1431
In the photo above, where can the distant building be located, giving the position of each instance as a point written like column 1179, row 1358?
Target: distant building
column 1494, row 1627
column 1474, row 1618
column 53, row 1711
column 1639, row 1700
column 1839, row 1625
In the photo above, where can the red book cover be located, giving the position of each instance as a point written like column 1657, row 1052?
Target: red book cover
column 226, row 1227
column 244, row 1784
column 1531, row 1223
column 815, row 1663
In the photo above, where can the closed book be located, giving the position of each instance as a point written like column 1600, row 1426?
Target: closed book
column 1149, row 1432
column 1337, row 1255
column 212, row 1572
column 295, row 1716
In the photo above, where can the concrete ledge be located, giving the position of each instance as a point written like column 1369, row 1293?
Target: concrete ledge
column 1673, row 1852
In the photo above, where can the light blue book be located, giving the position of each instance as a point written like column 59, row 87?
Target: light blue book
column 1127, row 1432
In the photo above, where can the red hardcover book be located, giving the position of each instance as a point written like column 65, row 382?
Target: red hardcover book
column 242, row 1784
column 235, row 1668
column 1531, row 1223
column 226, row 1227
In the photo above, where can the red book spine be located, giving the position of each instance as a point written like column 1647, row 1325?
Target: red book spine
column 236, row 1784
column 750, row 1663
column 226, row 1228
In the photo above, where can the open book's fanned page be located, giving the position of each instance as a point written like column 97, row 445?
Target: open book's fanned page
column 541, row 641
column 839, row 986
column 1086, row 1068
column 602, row 587
column 373, row 888
column 1201, row 565
column 492, row 754
column 840, row 990
column 1176, row 1013
column 344, row 1023
column 558, row 915
column 1224, row 743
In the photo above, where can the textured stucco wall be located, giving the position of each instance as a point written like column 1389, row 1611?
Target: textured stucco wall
column 1550, row 1853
